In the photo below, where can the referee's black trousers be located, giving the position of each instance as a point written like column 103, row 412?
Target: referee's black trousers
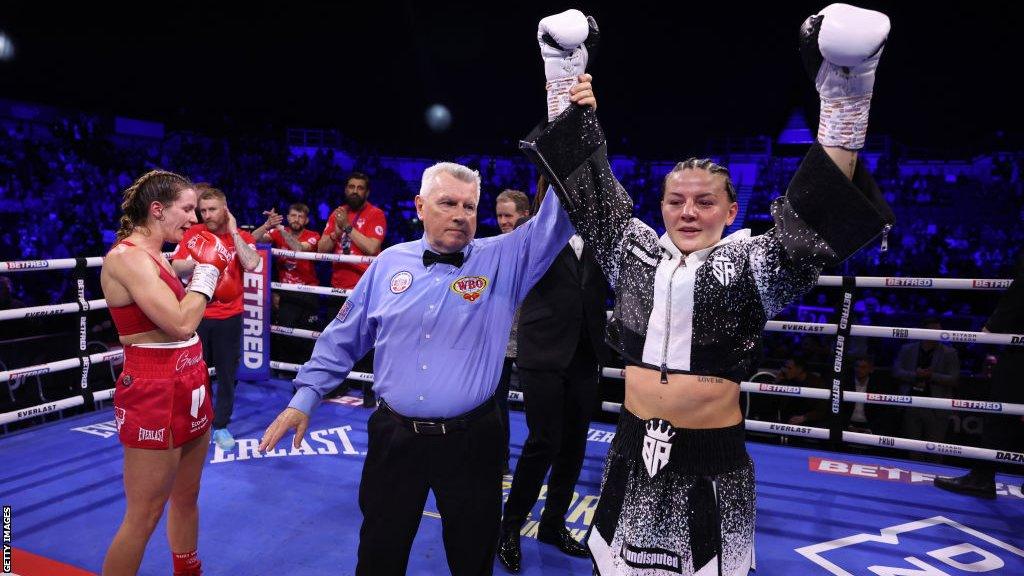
column 463, row 468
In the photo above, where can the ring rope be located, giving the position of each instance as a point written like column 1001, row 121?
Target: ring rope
column 952, row 404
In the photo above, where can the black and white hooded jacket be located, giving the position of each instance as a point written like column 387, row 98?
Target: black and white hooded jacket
column 705, row 313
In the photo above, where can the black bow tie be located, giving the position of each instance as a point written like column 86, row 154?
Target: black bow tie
column 431, row 257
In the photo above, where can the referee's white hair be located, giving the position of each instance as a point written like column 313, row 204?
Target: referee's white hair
column 457, row 171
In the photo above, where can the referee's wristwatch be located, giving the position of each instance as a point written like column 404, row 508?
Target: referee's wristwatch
column 347, row 229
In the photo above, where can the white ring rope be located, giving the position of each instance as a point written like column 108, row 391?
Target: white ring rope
column 957, row 336
column 50, row 310
column 871, row 398
column 60, row 365
column 927, row 283
column 55, row 264
column 861, row 281
column 325, row 290
column 322, row 256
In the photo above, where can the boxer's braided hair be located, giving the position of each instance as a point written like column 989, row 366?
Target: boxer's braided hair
column 153, row 186
column 703, row 164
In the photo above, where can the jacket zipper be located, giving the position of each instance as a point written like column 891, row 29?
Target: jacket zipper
column 668, row 321
column 885, row 237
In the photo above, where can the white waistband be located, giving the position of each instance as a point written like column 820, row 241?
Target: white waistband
column 171, row 345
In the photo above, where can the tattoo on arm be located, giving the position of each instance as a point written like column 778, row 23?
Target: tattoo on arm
column 709, row 379
column 291, row 241
column 248, row 257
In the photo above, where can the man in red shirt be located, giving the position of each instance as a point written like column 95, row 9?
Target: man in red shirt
column 356, row 227
column 292, row 309
column 221, row 328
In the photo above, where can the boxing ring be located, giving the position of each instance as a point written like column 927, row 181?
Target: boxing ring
column 294, row 511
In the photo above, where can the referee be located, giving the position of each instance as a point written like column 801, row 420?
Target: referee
column 438, row 312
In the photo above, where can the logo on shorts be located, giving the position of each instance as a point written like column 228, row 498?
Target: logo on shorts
column 653, row 558
column 154, row 435
column 470, row 287
column 197, row 424
column 186, row 361
column 126, row 380
column 198, row 395
column 657, row 445
column 401, row 282
column 723, row 269
column 119, row 415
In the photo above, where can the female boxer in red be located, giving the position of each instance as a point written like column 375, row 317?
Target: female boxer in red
column 162, row 399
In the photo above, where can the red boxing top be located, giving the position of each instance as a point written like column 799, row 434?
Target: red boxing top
column 130, row 319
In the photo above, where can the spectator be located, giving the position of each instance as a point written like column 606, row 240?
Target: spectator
column 927, row 368
column 221, row 328
column 292, row 309
column 802, row 411
column 512, row 208
column 865, row 417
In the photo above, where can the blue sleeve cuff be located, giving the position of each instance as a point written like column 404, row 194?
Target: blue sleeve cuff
column 305, row 400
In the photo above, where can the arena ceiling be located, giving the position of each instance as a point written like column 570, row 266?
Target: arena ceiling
column 669, row 75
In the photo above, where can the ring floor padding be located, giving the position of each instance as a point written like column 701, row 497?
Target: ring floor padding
column 819, row 512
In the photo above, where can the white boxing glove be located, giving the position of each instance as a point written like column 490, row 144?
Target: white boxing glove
column 564, row 42
column 841, row 46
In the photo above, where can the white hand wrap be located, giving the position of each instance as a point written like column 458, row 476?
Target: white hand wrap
column 204, row 280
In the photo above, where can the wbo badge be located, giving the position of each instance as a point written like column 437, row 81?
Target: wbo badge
column 470, row 287
column 401, row 281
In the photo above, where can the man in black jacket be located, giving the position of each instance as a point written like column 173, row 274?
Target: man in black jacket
column 561, row 345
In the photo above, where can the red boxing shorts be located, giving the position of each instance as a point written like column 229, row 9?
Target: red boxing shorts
column 162, row 399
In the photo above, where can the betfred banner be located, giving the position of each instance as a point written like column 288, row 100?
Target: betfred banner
column 255, row 364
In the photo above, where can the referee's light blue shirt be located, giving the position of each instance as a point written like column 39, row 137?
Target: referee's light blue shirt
column 439, row 332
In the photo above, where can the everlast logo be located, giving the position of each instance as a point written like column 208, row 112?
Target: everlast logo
column 1010, row 456
column 790, row 428
column 922, row 282
column 252, row 318
column 802, row 328
column 38, row 313
column 978, row 405
column 35, row 410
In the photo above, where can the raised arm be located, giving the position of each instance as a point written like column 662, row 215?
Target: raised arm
column 570, row 149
